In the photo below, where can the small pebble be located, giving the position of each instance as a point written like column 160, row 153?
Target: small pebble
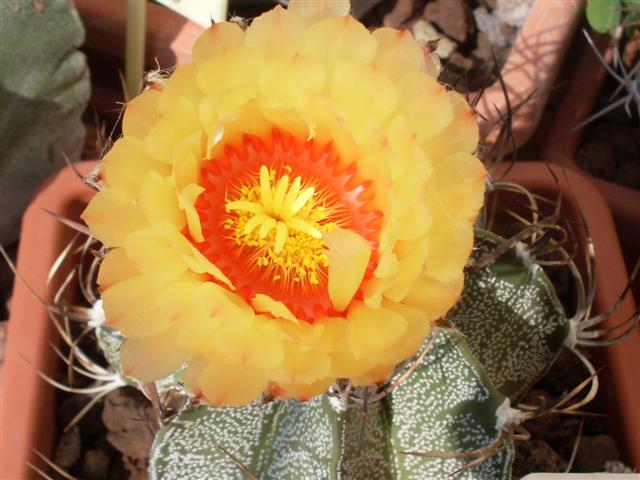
column 69, row 448
column 594, row 452
column 95, row 465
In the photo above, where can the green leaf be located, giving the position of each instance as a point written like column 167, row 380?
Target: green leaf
column 447, row 404
column 603, row 15
column 511, row 317
column 44, row 87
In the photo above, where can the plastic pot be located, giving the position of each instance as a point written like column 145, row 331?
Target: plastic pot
column 27, row 403
column 620, row 381
column 531, row 68
column 562, row 146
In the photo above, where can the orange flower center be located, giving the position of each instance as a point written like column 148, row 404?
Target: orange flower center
column 266, row 205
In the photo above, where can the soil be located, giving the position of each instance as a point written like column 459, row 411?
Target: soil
column 611, row 144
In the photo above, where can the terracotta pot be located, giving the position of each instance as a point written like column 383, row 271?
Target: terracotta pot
column 562, row 146
column 28, row 409
column 27, row 403
column 620, row 380
column 531, row 67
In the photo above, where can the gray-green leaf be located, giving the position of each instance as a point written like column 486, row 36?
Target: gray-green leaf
column 44, row 87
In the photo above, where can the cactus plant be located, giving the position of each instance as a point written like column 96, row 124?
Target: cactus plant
column 44, row 88
column 302, row 294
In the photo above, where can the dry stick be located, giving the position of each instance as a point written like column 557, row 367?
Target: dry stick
column 39, row 472
column 241, row 465
column 19, row 276
column 75, row 345
column 82, row 371
column 53, row 465
column 405, row 375
column 602, row 316
column 63, row 387
column 85, row 286
column 80, row 415
column 473, row 453
column 630, row 322
column 158, row 410
column 77, row 226
column 509, row 243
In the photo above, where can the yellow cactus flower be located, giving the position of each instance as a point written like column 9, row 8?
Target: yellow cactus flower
column 293, row 206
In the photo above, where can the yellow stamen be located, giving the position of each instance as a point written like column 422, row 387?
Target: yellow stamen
column 284, row 222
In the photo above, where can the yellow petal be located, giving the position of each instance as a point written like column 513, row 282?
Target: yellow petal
column 130, row 307
column 458, row 185
column 378, row 374
column 141, row 113
column 418, row 325
column 375, row 97
column 159, row 202
column 302, row 334
column 187, row 199
column 460, row 135
column 411, row 261
column 398, row 52
column 196, row 262
column 332, row 338
column 112, row 216
column 171, row 128
column 348, row 255
column 258, row 347
column 426, row 104
column 153, row 256
column 287, row 79
column 192, row 373
column 216, row 38
column 127, row 164
column 198, row 330
column 232, row 68
column 301, row 367
column 454, row 237
column 339, row 38
column 345, row 365
column 372, row 331
column 265, row 304
column 187, row 156
column 278, row 32
column 152, row 358
column 116, row 267
column 318, row 9
column 180, row 86
column 302, row 391
column 230, row 385
column 225, row 305
column 434, row 298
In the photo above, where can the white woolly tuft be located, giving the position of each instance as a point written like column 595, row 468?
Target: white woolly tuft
column 338, row 403
column 97, row 314
column 506, row 415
